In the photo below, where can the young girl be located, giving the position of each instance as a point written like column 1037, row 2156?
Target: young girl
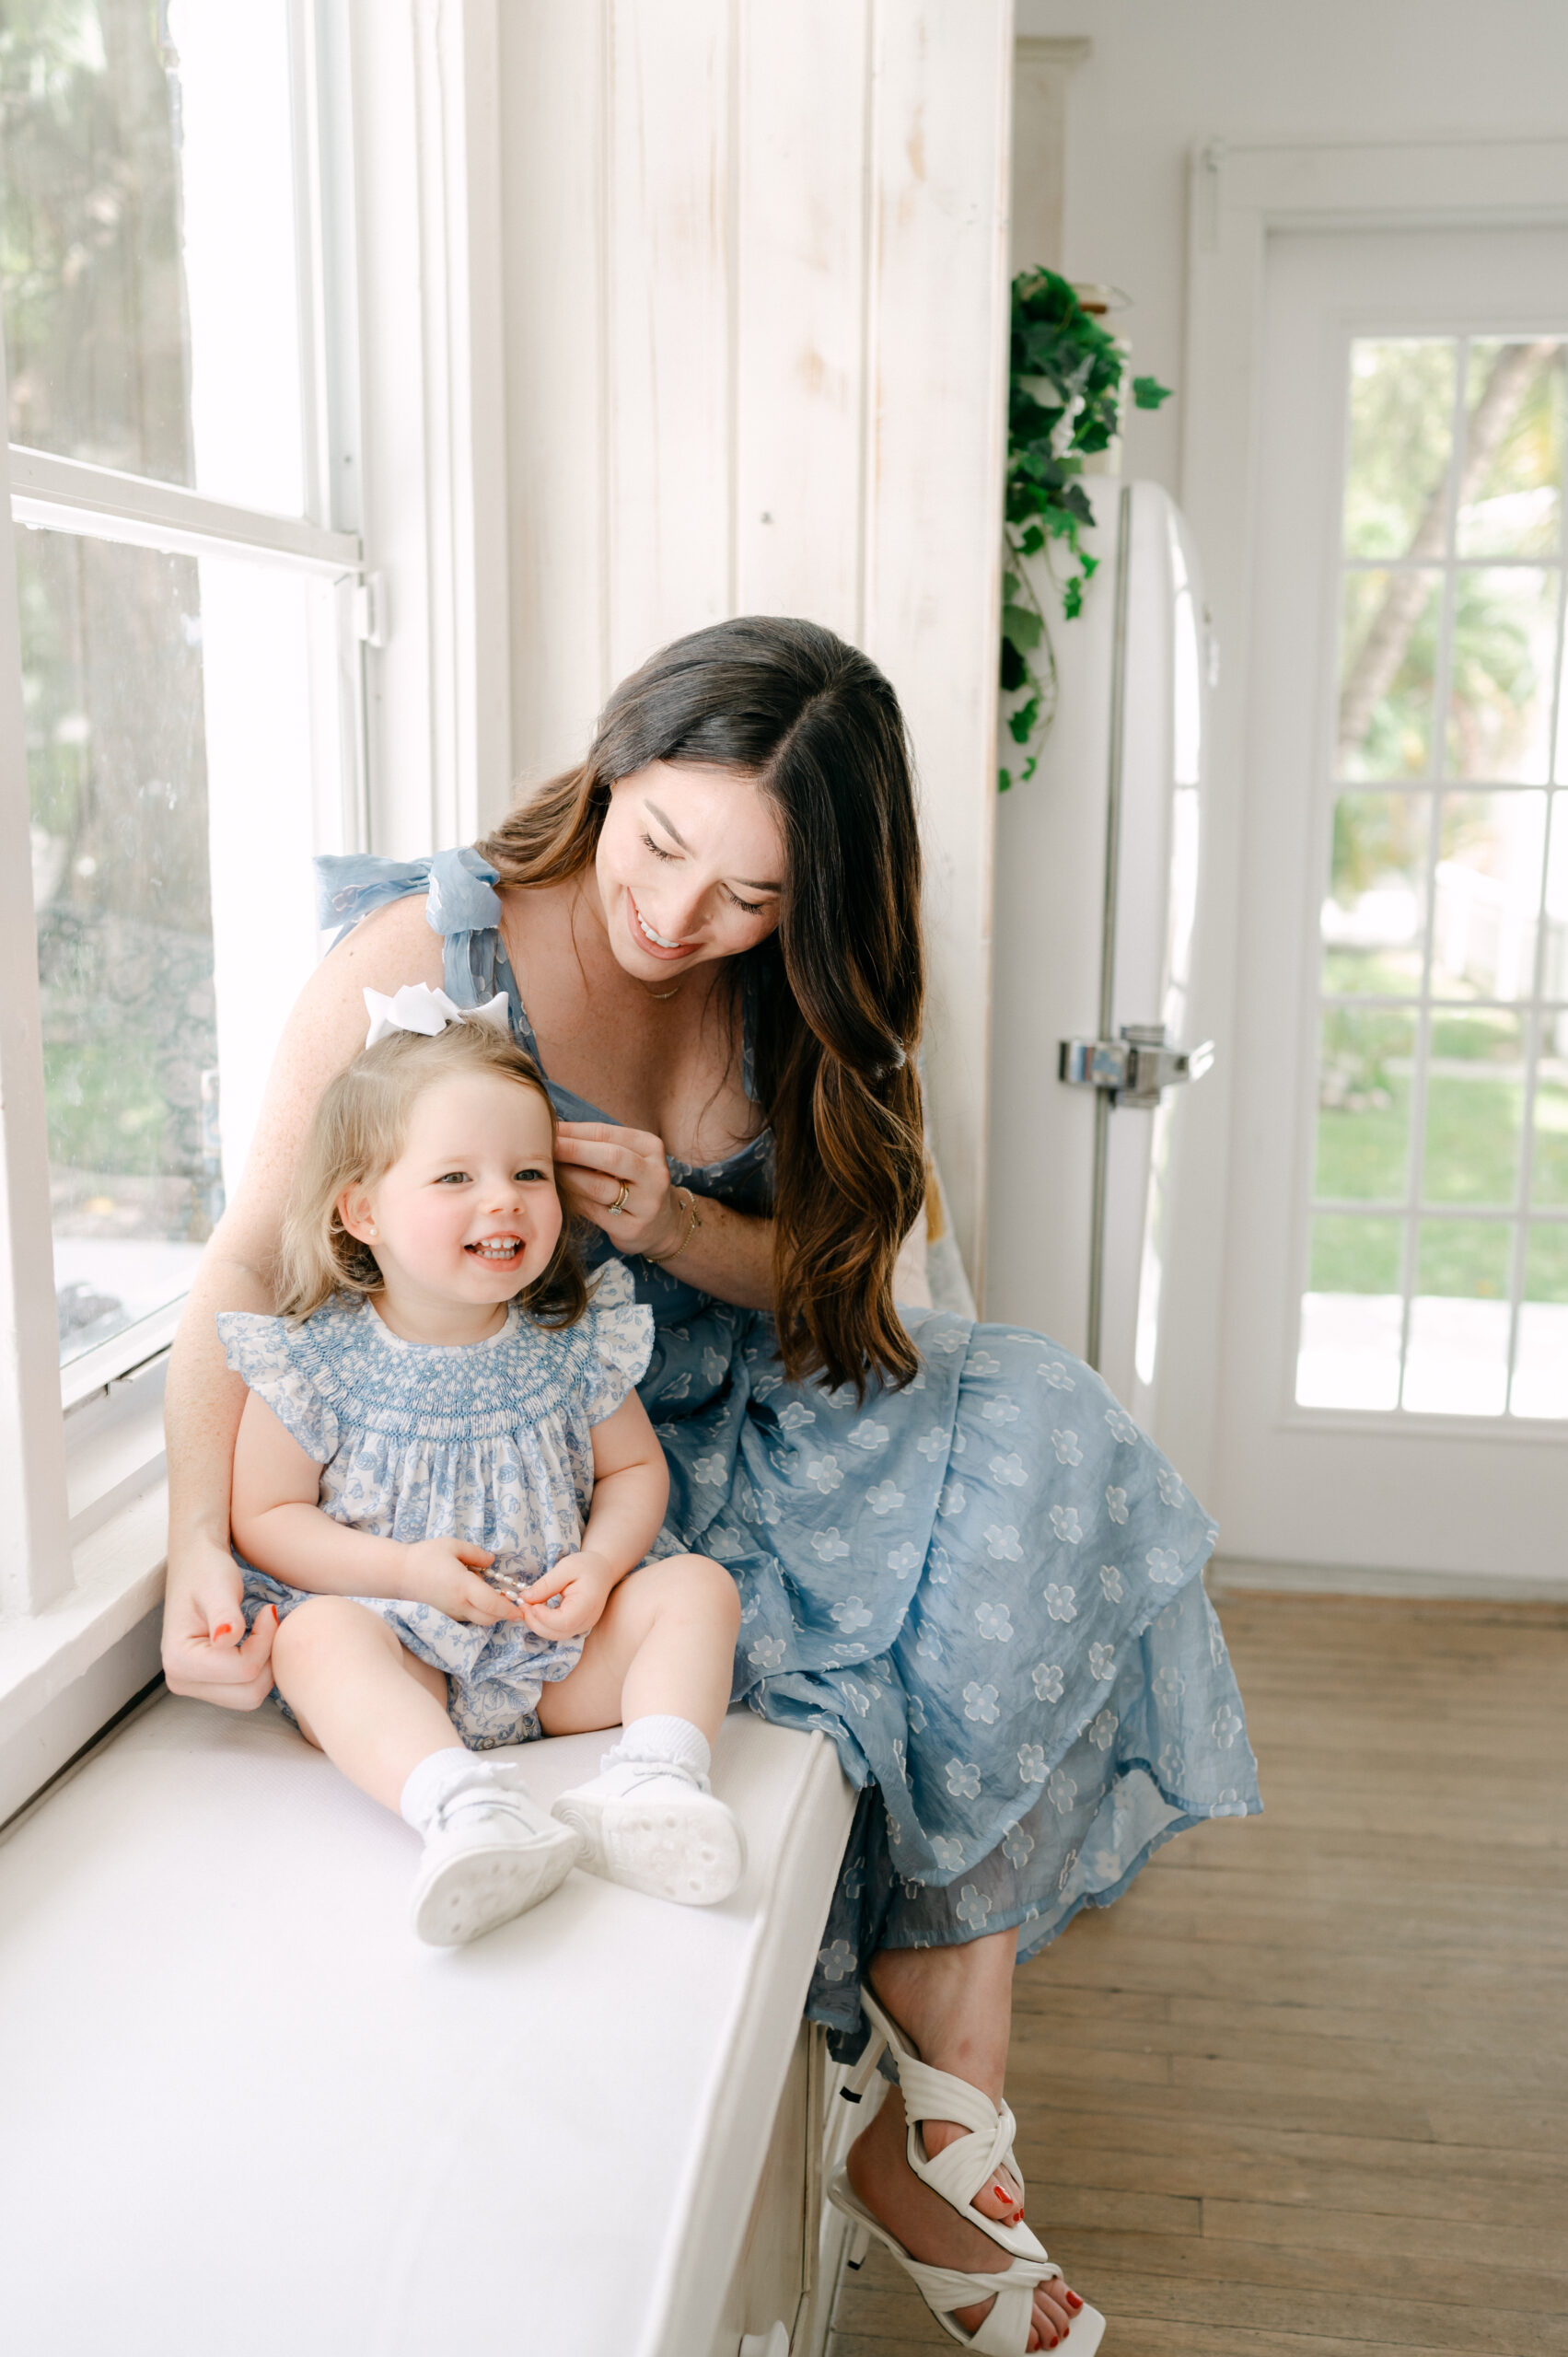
column 443, row 1476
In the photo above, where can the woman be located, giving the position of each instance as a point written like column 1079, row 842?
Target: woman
column 954, row 1554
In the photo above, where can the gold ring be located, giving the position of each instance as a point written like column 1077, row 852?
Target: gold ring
column 620, row 1203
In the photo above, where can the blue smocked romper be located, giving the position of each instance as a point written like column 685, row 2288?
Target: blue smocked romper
column 985, row 1588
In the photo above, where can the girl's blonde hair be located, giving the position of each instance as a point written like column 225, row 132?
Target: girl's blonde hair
column 360, row 1129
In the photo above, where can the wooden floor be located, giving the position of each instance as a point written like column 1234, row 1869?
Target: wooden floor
column 1301, row 2093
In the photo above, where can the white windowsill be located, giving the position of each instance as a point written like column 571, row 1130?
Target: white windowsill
column 65, row 1671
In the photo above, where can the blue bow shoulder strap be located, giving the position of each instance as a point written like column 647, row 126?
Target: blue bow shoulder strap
column 461, row 904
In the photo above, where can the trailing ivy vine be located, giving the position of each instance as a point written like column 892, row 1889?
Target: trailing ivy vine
column 1064, row 404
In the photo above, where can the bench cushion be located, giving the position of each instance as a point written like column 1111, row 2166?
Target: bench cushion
column 245, row 2112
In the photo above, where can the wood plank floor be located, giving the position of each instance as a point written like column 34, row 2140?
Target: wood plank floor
column 1301, row 2094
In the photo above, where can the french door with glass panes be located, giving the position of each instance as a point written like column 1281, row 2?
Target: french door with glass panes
column 1396, row 1376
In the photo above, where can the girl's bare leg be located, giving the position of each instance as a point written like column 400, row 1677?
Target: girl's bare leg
column 359, row 1695
column 955, row 2004
column 665, row 1645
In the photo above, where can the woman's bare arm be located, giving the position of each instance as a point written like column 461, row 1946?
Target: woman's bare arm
column 731, row 1255
column 203, row 1401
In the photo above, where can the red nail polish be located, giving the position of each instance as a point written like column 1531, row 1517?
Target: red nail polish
column 223, row 1629
column 1074, row 2301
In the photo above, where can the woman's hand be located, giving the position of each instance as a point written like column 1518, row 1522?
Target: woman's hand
column 205, row 1651
column 583, row 1584
column 596, row 1160
column 446, row 1572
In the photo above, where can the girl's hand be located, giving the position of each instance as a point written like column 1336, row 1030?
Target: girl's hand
column 205, row 1651
column 583, row 1583
column 595, row 1160
column 444, row 1573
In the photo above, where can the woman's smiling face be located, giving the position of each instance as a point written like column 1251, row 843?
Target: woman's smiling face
column 690, row 868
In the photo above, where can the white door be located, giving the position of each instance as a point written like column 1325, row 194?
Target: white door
column 1080, row 1175
column 1395, row 1386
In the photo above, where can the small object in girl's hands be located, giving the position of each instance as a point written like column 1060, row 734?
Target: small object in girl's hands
column 223, row 1629
column 553, row 1604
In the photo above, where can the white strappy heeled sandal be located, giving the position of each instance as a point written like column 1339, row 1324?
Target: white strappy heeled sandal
column 957, row 2174
column 1004, row 2332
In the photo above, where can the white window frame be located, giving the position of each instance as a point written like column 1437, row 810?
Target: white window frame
column 398, row 202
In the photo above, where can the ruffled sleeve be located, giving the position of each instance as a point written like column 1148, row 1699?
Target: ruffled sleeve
column 264, row 1352
column 621, row 1339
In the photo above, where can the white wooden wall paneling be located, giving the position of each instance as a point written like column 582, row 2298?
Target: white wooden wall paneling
column 670, row 321
column 553, row 70
column 940, row 154
column 802, row 236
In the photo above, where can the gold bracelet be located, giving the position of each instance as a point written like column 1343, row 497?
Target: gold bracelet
column 694, row 1222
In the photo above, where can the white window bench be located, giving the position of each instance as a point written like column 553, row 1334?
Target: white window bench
column 245, row 2112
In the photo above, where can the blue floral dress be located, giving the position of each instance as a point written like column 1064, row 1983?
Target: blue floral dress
column 985, row 1588
column 490, row 1442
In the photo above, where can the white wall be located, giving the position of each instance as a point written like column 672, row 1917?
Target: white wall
column 1164, row 74
column 755, row 299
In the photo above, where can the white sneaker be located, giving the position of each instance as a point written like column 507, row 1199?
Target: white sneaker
column 651, row 1829
column 490, row 1851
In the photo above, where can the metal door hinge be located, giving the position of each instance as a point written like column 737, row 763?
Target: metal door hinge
column 1133, row 1069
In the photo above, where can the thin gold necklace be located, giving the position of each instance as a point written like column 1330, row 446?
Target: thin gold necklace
column 674, row 993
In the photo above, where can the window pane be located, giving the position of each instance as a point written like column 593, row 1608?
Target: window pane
column 1475, row 1095
column 1374, row 919
column 1457, row 1364
column 117, row 771
column 1387, row 666
column 178, row 719
column 1503, row 656
column 151, row 308
column 1540, row 1373
column 1363, row 1093
column 1511, row 496
column 1402, row 421
column 1489, row 857
column 1351, row 1315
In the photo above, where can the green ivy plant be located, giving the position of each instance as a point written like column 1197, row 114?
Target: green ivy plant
column 1064, row 404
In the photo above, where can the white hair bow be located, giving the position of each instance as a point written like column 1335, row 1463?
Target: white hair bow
column 416, row 1008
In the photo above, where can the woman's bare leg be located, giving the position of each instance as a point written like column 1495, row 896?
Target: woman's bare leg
column 359, row 1695
column 955, row 2004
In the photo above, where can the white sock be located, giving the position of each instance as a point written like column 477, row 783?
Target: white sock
column 433, row 1782
column 660, row 1741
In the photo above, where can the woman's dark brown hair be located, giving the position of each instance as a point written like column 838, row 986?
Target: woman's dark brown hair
column 840, row 985
column 358, row 1133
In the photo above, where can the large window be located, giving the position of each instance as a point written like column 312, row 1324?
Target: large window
column 183, row 467
column 1439, row 1255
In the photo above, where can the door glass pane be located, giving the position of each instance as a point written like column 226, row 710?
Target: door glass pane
column 1488, row 895
column 1402, row 424
column 1475, row 1098
column 1374, row 919
column 150, row 293
column 1451, row 586
column 1387, row 671
column 1540, row 1373
column 1548, row 1159
column 1457, row 1364
column 1364, row 1098
column 1351, row 1315
column 1510, row 499
column 1501, row 658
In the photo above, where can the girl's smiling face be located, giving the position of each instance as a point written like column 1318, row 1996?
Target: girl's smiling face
column 690, row 868
column 467, row 1214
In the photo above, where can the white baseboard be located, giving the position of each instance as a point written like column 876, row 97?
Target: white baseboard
column 1231, row 1574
